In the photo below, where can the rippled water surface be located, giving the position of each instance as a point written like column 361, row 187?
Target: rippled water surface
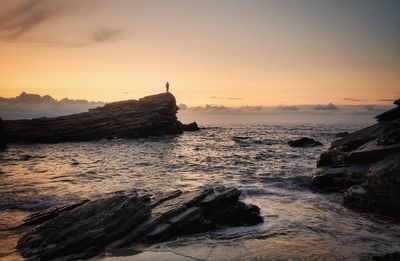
column 299, row 223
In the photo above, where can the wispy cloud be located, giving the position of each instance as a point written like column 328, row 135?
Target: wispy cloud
column 99, row 35
column 105, row 34
column 353, row 99
column 25, row 17
column 386, row 100
column 225, row 98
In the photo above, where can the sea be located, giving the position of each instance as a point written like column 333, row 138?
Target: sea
column 300, row 223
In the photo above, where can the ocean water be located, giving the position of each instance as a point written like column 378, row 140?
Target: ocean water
column 300, row 223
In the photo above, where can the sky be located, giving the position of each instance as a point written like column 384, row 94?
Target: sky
column 221, row 52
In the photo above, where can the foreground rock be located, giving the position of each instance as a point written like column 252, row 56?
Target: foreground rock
column 366, row 166
column 125, row 219
column 304, row 142
column 148, row 116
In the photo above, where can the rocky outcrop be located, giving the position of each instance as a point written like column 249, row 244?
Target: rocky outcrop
column 381, row 190
column 148, row 116
column 366, row 166
column 391, row 114
column 190, row 127
column 338, row 178
column 304, row 142
column 87, row 228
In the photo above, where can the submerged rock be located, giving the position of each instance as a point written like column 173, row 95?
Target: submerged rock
column 366, row 165
column 304, row 142
column 125, row 219
column 149, row 116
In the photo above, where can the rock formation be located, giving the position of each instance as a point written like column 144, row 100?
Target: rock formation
column 366, row 166
column 304, row 142
column 148, row 116
column 341, row 134
column 191, row 127
column 391, row 114
column 122, row 219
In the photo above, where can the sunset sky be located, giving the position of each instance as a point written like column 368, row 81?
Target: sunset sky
column 228, row 52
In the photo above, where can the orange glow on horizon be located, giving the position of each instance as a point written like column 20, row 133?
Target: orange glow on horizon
column 234, row 62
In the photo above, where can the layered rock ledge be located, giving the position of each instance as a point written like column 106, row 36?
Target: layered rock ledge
column 129, row 219
column 149, row 116
column 365, row 165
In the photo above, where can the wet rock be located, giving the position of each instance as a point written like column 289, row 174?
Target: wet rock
column 338, row 178
column 190, row 127
column 371, row 152
column 324, row 159
column 341, row 134
column 125, row 219
column 366, row 163
column 83, row 230
column 149, row 116
column 304, row 142
column 381, row 189
column 354, row 196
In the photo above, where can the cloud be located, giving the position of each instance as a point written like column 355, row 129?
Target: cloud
column 21, row 17
column 328, row 107
column 288, row 108
column 386, row 100
column 225, row 98
column 99, row 35
column 209, row 107
column 27, row 106
column 24, row 17
column 105, row 34
column 352, row 99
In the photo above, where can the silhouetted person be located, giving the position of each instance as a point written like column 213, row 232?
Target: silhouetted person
column 167, row 86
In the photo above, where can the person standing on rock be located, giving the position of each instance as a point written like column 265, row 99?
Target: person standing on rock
column 167, row 86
